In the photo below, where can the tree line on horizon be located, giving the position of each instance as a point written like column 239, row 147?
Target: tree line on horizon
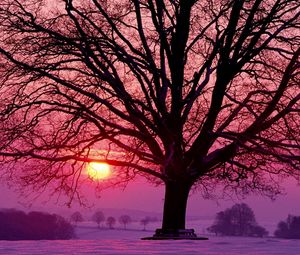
column 239, row 220
column 99, row 218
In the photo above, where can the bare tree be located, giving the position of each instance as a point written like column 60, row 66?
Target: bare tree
column 110, row 221
column 145, row 221
column 76, row 217
column 125, row 220
column 98, row 217
column 186, row 93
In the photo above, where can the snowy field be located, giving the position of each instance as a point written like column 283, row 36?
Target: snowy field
column 118, row 241
column 132, row 245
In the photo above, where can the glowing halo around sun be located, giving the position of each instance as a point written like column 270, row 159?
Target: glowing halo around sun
column 98, row 171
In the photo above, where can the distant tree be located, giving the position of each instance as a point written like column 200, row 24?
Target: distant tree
column 145, row 221
column 222, row 224
column 98, row 217
column 110, row 222
column 76, row 217
column 289, row 229
column 38, row 229
column 243, row 218
column 13, row 225
column 16, row 225
column 239, row 220
column 258, row 231
column 63, row 229
column 125, row 220
column 282, row 230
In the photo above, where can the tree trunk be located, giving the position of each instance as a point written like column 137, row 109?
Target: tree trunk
column 176, row 196
column 173, row 225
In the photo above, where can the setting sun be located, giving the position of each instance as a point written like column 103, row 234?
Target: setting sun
column 98, row 171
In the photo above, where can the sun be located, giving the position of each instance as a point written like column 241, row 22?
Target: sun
column 98, row 171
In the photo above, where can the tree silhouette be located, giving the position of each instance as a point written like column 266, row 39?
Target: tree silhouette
column 239, row 220
column 186, row 93
column 76, row 217
column 289, row 229
column 110, row 221
column 98, row 217
column 145, row 221
column 125, row 220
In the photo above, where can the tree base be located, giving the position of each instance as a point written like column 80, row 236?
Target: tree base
column 174, row 234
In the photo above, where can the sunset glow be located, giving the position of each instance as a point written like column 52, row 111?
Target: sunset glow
column 98, row 171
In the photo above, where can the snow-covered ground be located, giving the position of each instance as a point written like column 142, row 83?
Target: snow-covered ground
column 92, row 240
column 130, row 243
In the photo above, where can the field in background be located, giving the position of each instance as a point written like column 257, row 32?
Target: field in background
column 104, row 241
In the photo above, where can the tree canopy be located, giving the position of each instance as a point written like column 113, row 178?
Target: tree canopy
column 125, row 220
column 17, row 225
column 110, row 222
column 98, row 217
column 289, row 229
column 76, row 217
column 239, row 220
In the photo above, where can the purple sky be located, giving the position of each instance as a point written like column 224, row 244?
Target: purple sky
column 143, row 196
